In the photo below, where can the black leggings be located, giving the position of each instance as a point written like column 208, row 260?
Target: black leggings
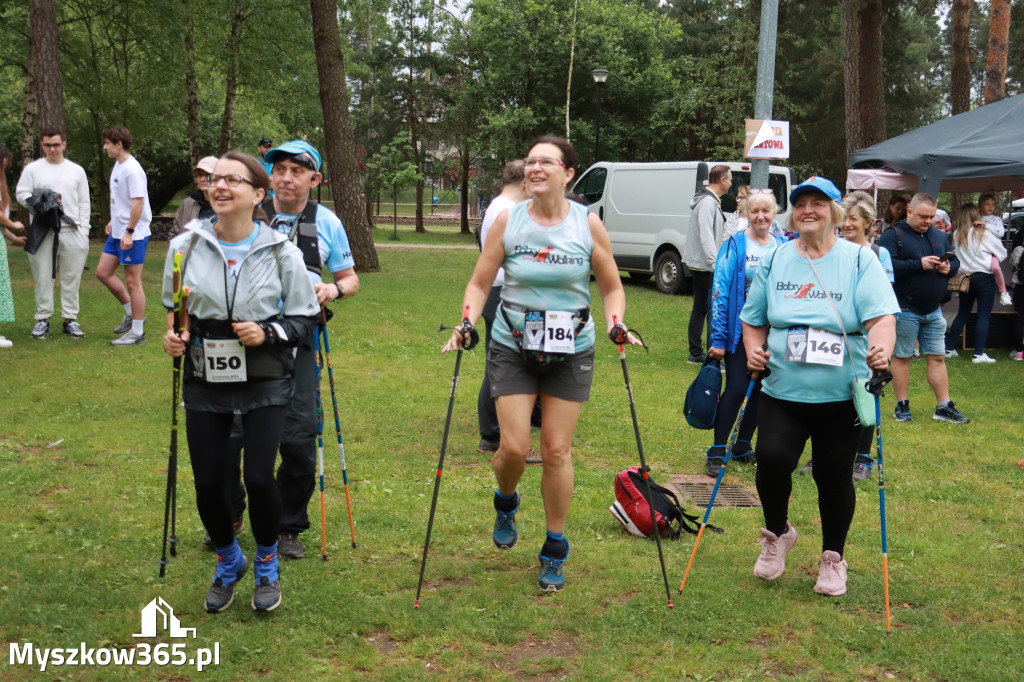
column 213, row 458
column 736, row 382
column 783, row 430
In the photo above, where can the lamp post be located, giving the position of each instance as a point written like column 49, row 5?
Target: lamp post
column 600, row 76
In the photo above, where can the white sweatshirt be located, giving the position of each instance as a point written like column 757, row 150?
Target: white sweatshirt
column 67, row 179
column 977, row 255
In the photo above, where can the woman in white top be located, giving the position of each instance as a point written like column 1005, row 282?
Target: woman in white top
column 6, row 297
column 975, row 247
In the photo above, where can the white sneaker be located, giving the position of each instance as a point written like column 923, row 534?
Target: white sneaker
column 952, row 353
column 130, row 339
column 982, row 359
column 5, row 342
column 1005, row 298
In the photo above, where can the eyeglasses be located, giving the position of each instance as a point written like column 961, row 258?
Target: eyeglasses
column 232, row 180
column 545, row 162
column 764, row 190
column 52, row 145
column 202, row 178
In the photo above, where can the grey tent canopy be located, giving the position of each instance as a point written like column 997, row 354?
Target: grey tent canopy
column 976, row 151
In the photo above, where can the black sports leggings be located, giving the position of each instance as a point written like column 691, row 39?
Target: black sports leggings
column 213, row 458
column 783, row 429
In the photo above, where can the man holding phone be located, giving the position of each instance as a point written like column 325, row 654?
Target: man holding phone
column 922, row 263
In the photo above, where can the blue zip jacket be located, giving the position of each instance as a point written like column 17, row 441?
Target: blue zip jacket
column 729, row 291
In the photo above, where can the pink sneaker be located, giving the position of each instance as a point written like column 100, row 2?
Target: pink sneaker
column 831, row 574
column 772, row 562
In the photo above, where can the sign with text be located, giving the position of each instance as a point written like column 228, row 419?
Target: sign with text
column 766, row 139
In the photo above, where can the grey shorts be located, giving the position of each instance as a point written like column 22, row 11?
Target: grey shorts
column 510, row 374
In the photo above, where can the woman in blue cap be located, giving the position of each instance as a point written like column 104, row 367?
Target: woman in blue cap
column 825, row 311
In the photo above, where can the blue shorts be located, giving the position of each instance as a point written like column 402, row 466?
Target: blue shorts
column 133, row 256
column 929, row 329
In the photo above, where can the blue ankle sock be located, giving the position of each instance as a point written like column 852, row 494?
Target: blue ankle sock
column 555, row 547
column 266, row 563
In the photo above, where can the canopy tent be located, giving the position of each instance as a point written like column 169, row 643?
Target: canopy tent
column 981, row 150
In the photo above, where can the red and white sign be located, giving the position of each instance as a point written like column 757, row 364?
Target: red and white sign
column 766, row 139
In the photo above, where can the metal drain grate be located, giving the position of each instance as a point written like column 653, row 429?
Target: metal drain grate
column 728, row 495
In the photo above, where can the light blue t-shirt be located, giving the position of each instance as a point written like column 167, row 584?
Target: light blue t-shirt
column 546, row 268
column 755, row 255
column 236, row 253
column 335, row 252
column 785, row 293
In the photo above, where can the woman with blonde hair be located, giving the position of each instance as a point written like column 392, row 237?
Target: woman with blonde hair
column 975, row 247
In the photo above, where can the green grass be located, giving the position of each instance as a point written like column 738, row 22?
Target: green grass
column 81, row 521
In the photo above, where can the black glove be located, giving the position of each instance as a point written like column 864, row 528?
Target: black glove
column 474, row 337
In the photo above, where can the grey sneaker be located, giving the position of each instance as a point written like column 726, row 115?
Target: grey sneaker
column 72, row 329
column 41, row 330
column 505, row 534
column 222, row 591
column 130, row 339
column 237, row 526
column 125, row 326
column 290, row 547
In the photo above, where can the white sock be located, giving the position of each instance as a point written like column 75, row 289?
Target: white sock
column 138, row 327
column 127, row 308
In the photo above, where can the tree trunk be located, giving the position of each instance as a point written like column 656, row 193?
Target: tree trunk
column 341, row 157
column 851, row 77
column 464, row 187
column 49, row 81
column 191, row 86
column 29, row 115
column 872, row 90
column 231, row 79
column 998, row 42
column 960, row 50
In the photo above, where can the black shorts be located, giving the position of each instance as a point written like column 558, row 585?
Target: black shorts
column 510, row 374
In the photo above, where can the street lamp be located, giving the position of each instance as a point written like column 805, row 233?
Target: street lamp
column 600, row 76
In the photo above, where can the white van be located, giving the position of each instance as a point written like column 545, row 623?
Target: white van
column 646, row 209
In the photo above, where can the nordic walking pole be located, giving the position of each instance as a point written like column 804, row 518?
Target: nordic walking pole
column 876, row 386
column 466, row 327
column 619, row 335
column 721, row 475
column 172, row 458
column 337, row 423
column 320, row 446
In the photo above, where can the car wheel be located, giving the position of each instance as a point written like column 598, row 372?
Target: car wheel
column 668, row 272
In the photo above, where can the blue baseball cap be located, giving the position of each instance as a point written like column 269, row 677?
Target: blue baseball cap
column 818, row 184
column 299, row 151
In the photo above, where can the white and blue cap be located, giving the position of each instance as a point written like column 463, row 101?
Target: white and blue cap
column 816, row 183
column 299, row 151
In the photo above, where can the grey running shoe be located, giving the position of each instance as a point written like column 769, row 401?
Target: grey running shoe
column 237, row 526
column 862, row 468
column 949, row 413
column 552, row 576
column 267, row 595
column 125, row 326
column 130, row 339
column 806, row 468
column 487, row 446
column 505, row 534
column 533, row 457
column 290, row 547
column 222, row 591
column 72, row 329
column 41, row 330
column 902, row 412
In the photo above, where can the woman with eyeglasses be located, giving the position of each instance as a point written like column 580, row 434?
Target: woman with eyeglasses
column 249, row 304
column 825, row 309
column 543, row 338
column 196, row 206
column 735, row 266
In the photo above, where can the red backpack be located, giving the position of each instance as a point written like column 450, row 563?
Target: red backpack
column 632, row 508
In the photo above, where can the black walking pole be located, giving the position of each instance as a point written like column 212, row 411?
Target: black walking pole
column 466, row 327
column 618, row 334
column 171, row 494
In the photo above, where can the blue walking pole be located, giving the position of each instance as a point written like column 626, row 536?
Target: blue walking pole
column 876, row 386
column 721, row 473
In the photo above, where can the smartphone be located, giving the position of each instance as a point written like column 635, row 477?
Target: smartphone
column 946, row 256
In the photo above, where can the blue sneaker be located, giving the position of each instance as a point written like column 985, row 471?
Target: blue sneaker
column 506, row 535
column 902, row 412
column 267, row 595
column 949, row 413
column 552, row 579
column 231, row 566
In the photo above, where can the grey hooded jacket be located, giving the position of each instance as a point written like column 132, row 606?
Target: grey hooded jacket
column 705, row 232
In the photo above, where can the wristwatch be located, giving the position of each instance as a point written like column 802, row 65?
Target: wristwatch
column 130, row 230
column 341, row 290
